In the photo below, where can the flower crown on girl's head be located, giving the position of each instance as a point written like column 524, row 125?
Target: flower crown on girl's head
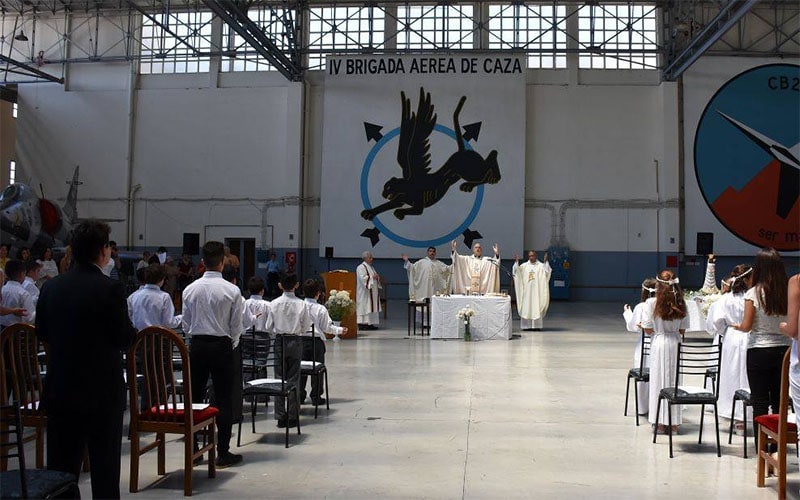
column 673, row 281
column 645, row 287
column 733, row 279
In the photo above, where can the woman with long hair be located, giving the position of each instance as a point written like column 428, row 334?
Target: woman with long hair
column 764, row 309
column 66, row 261
column 49, row 266
column 633, row 323
column 665, row 320
column 722, row 316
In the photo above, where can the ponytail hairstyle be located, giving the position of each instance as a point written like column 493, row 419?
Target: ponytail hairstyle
column 669, row 297
column 648, row 288
column 769, row 276
column 738, row 280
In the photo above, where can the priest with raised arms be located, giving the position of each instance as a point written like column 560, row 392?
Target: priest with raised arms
column 532, row 284
column 476, row 273
column 427, row 276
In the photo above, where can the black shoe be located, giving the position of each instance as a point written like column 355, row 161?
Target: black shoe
column 226, row 459
column 319, row 401
column 283, row 423
column 198, row 460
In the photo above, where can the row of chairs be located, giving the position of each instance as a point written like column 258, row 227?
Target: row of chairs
column 160, row 399
column 696, row 359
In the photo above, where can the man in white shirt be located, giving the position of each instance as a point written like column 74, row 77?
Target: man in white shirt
column 32, row 268
column 314, row 342
column 149, row 305
column 212, row 316
column 288, row 315
column 15, row 296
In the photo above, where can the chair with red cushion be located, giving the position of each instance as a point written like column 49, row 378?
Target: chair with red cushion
column 776, row 428
column 21, row 378
column 164, row 405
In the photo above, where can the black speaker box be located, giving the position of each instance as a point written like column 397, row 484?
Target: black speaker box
column 328, row 252
column 705, row 243
column 191, row 243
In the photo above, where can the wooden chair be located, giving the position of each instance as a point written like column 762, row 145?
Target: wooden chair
column 21, row 377
column 692, row 360
column 639, row 373
column 24, row 482
column 162, row 412
column 776, row 428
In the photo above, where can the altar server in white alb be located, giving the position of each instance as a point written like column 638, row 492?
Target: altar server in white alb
column 426, row 276
column 368, row 303
column 532, row 283
column 476, row 273
column 722, row 315
column 633, row 323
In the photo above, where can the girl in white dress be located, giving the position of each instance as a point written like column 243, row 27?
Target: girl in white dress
column 665, row 320
column 722, row 315
column 633, row 323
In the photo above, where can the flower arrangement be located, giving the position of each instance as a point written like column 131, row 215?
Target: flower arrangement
column 340, row 305
column 465, row 314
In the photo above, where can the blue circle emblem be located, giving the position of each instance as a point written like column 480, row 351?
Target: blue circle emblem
column 473, row 213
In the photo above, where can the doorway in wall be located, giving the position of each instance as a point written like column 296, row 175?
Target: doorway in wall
column 245, row 249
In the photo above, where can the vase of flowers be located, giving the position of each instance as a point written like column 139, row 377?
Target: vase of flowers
column 466, row 315
column 339, row 306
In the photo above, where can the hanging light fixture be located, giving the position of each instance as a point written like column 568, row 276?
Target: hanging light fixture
column 21, row 36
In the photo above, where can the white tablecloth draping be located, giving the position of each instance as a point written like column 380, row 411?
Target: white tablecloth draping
column 697, row 320
column 492, row 319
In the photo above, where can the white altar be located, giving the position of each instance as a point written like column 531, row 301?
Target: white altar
column 492, row 319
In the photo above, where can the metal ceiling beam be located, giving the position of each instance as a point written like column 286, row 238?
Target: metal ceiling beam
column 236, row 18
column 728, row 15
column 24, row 69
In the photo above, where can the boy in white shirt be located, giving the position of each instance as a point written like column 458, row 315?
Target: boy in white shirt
column 149, row 305
column 15, row 296
column 32, row 269
column 315, row 345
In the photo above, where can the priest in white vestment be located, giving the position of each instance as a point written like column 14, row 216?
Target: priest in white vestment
column 427, row 276
column 476, row 273
column 368, row 303
column 532, row 284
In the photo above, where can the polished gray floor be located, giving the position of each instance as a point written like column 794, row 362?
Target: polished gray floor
column 539, row 416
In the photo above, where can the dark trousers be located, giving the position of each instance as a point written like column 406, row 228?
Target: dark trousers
column 764, row 373
column 309, row 350
column 211, row 355
column 292, row 356
column 69, row 434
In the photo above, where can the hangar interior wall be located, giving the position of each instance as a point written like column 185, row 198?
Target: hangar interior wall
column 239, row 155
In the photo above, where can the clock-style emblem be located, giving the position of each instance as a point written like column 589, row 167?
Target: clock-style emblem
column 747, row 156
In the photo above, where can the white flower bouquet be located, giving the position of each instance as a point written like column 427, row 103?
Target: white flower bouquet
column 340, row 305
column 465, row 314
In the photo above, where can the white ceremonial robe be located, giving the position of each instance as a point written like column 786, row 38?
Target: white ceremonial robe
column 368, row 301
column 475, row 275
column 633, row 321
column 710, row 281
column 663, row 356
column 727, row 311
column 532, row 284
column 426, row 277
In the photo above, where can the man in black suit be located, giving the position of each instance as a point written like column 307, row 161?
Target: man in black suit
column 82, row 315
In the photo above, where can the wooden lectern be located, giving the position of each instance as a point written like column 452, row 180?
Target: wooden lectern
column 343, row 280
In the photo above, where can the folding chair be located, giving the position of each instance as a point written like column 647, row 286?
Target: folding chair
column 639, row 373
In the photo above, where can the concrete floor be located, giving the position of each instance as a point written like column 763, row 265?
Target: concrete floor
column 539, row 416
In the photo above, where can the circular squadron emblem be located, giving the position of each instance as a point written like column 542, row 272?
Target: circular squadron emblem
column 747, row 156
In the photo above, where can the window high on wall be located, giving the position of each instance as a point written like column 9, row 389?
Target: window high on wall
column 341, row 30
column 246, row 58
column 539, row 30
column 183, row 48
column 617, row 36
column 435, row 27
